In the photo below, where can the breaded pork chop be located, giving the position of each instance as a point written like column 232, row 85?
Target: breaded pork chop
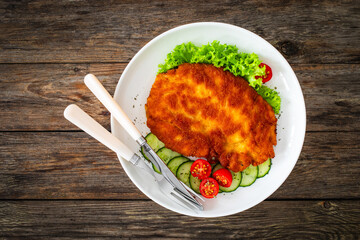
column 203, row 111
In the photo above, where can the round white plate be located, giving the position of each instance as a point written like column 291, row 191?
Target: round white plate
column 134, row 88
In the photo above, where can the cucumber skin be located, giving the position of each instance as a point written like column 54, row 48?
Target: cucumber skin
column 245, row 176
column 235, row 182
column 165, row 160
column 187, row 166
column 153, row 147
column 159, row 144
column 142, row 153
column 155, row 168
column 216, row 167
column 175, row 167
column 266, row 173
column 195, row 183
column 231, row 188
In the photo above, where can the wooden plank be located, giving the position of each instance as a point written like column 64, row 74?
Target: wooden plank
column 47, row 165
column 145, row 219
column 61, row 166
column 34, row 96
column 331, row 101
column 325, row 168
column 67, row 31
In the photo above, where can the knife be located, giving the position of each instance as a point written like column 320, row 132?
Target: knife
column 78, row 117
column 114, row 108
column 83, row 121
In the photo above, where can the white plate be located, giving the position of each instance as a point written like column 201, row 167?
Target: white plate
column 134, row 88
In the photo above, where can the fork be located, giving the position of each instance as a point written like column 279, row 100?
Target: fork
column 78, row 117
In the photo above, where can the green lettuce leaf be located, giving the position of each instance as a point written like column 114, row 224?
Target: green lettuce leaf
column 229, row 58
column 271, row 96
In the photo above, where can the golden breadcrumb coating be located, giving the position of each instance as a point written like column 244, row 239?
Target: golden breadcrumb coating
column 203, row 111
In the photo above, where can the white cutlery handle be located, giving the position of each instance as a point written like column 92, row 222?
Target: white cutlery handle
column 105, row 98
column 82, row 120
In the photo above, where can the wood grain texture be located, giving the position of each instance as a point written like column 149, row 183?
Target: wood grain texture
column 332, row 96
column 146, row 219
column 82, row 31
column 34, row 96
column 56, row 182
column 63, row 165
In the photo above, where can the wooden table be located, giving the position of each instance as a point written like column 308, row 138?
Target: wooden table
column 57, row 182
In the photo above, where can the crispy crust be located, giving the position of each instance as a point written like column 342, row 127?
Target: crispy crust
column 200, row 110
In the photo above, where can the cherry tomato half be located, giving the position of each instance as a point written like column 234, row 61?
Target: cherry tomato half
column 223, row 177
column 268, row 73
column 200, row 169
column 209, row 188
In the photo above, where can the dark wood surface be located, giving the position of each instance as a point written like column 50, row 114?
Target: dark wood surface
column 57, row 182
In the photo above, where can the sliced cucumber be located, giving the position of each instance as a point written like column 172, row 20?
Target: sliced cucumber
column 154, row 143
column 249, row 176
column 174, row 163
column 166, row 155
column 236, row 180
column 183, row 172
column 195, row 183
column 236, row 177
column 264, row 168
column 215, row 168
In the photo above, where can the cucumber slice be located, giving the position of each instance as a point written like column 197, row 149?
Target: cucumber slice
column 166, row 155
column 195, row 183
column 176, row 162
column 183, row 172
column 249, row 176
column 154, row 143
column 264, row 168
column 216, row 167
column 236, row 180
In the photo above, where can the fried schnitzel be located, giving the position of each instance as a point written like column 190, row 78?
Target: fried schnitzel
column 203, row 111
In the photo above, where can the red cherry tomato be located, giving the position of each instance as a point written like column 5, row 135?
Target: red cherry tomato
column 200, row 169
column 268, row 73
column 209, row 188
column 223, row 177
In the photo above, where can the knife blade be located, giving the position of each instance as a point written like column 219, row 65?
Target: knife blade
column 168, row 175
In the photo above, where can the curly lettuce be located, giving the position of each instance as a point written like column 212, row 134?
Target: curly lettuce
column 271, row 96
column 230, row 59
